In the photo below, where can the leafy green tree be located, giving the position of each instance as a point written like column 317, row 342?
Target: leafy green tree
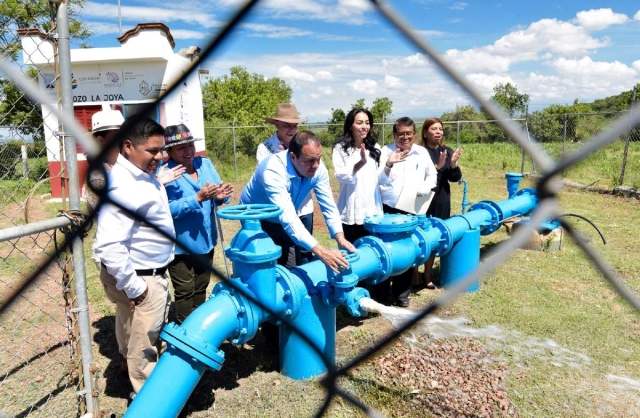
column 508, row 97
column 245, row 99
column 335, row 124
column 18, row 111
column 382, row 107
column 470, row 130
column 36, row 14
column 359, row 103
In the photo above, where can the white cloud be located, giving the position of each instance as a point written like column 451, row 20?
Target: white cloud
column 327, row 91
column 393, row 82
column 586, row 67
column 459, row 6
column 102, row 28
column 455, row 20
column 415, row 60
column 323, row 75
column 189, row 34
column 151, row 14
column 636, row 66
column 431, row 33
column 598, row 19
column 478, row 60
column 637, row 15
column 273, row 31
column 289, row 73
column 367, row 86
column 351, row 12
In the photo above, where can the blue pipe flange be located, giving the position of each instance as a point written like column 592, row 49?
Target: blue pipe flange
column 252, row 211
column 380, row 248
column 389, row 224
column 353, row 301
column 250, row 257
column 423, row 243
column 177, row 337
column 445, row 243
column 346, row 279
column 494, row 211
column 294, row 292
column 248, row 321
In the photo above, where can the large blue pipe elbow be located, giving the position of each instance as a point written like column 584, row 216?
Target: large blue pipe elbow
column 191, row 349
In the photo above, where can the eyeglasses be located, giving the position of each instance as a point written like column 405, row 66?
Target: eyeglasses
column 405, row 134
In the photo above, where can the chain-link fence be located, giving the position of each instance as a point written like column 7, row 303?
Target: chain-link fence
column 41, row 362
column 43, row 311
column 234, row 146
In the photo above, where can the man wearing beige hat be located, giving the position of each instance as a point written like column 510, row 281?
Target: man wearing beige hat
column 286, row 122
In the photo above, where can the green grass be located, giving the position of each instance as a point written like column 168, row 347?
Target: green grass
column 557, row 295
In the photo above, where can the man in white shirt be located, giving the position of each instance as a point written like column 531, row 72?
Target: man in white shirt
column 406, row 184
column 134, row 243
column 286, row 122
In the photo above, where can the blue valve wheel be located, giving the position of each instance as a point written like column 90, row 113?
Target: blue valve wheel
column 250, row 211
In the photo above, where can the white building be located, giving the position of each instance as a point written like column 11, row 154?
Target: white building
column 126, row 78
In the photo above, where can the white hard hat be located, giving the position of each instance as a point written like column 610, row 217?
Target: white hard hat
column 106, row 120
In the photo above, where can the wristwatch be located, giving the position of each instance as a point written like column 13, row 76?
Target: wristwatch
column 389, row 166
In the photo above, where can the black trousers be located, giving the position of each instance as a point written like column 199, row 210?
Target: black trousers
column 396, row 287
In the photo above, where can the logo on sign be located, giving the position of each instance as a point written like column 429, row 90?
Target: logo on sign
column 74, row 82
column 113, row 77
column 144, row 88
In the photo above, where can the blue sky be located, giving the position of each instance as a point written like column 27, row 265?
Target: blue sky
column 333, row 52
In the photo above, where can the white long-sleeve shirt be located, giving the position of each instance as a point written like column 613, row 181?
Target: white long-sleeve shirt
column 359, row 195
column 125, row 244
column 417, row 167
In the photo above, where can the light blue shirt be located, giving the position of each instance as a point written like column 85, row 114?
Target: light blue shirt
column 194, row 221
column 277, row 182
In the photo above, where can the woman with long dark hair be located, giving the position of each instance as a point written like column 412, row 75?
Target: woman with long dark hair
column 446, row 161
column 356, row 161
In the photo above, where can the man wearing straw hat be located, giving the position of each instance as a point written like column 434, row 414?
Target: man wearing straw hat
column 286, row 122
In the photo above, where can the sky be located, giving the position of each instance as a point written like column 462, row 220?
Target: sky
column 334, row 52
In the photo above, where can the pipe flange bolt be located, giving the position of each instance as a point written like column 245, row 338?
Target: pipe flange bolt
column 495, row 211
column 445, row 243
column 247, row 321
column 177, row 336
column 389, row 224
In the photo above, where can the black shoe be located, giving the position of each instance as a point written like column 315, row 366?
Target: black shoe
column 402, row 303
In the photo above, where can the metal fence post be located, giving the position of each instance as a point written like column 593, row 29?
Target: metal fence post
column 626, row 144
column 70, row 152
column 564, row 140
column 25, row 161
column 235, row 156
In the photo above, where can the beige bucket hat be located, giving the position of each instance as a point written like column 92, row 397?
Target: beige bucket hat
column 285, row 112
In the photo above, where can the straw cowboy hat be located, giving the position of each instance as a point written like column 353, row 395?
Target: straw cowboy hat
column 287, row 113
column 106, row 120
column 178, row 134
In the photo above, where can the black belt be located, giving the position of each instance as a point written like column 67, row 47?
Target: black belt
column 151, row 272
column 148, row 272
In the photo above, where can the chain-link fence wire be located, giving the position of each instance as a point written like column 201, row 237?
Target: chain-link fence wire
column 41, row 370
column 40, row 362
column 547, row 188
column 610, row 167
column 24, row 167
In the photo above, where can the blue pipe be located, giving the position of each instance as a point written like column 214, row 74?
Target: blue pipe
column 463, row 259
column 306, row 297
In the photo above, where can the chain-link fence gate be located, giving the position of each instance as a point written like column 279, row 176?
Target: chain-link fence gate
column 44, row 313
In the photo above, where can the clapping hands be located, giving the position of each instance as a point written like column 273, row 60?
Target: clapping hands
column 214, row 191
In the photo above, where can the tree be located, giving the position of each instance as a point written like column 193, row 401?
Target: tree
column 359, row 104
column 508, row 97
column 382, row 107
column 246, row 99
column 470, row 131
column 18, row 111
column 336, row 122
column 36, row 14
column 243, row 97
